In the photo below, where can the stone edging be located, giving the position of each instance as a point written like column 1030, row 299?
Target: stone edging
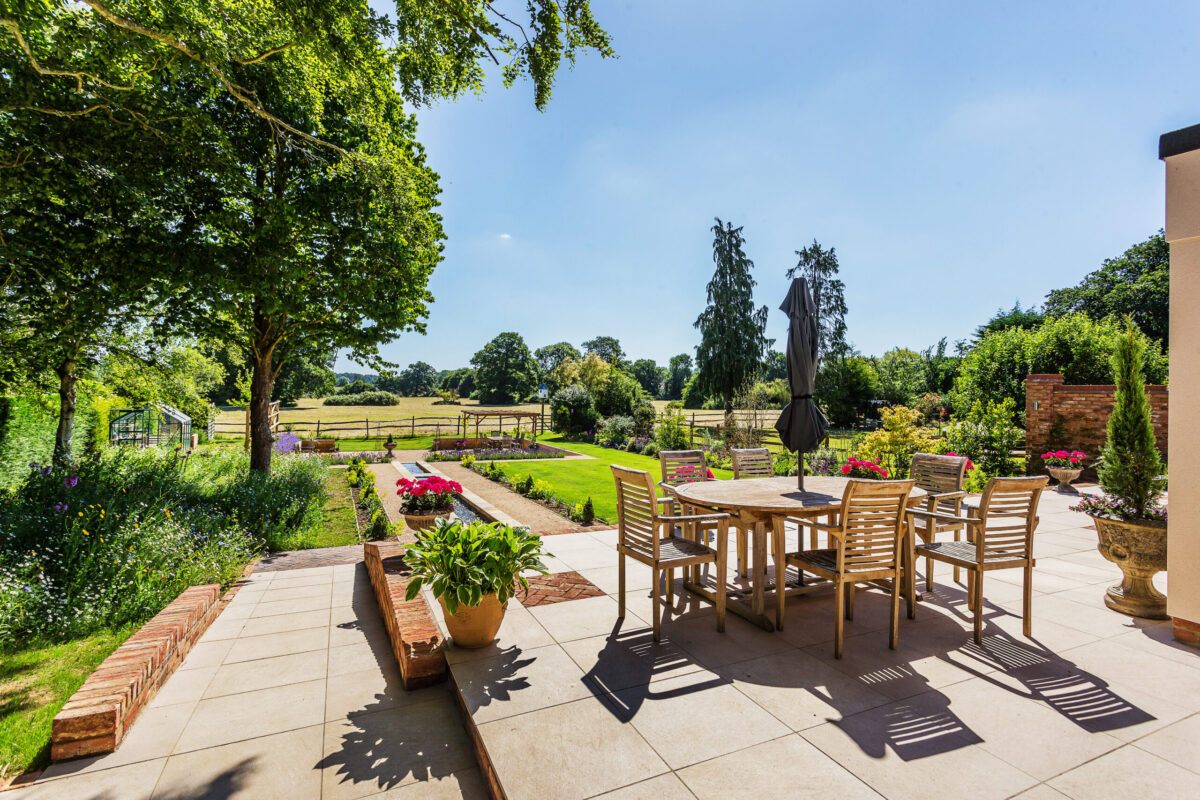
column 99, row 714
column 417, row 641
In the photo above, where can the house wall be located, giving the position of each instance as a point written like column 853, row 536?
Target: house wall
column 1181, row 152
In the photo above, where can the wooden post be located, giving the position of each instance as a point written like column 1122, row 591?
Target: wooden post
column 692, row 431
column 367, row 424
column 318, row 436
column 414, row 427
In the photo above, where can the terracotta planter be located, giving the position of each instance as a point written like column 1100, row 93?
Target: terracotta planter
column 1064, row 476
column 1139, row 548
column 424, row 522
column 475, row 626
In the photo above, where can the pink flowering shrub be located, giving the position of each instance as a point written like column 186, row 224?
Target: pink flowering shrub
column 856, row 468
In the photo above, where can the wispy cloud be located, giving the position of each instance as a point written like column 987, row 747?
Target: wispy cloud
column 506, row 236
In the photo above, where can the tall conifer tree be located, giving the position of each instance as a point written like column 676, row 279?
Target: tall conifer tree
column 732, row 331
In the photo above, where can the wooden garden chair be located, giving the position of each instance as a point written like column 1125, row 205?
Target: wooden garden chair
column 754, row 462
column 681, row 466
column 942, row 478
column 1000, row 536
column 644, row 534
column 867, row 542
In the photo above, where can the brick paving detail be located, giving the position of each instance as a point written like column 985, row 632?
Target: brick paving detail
column 97, row 716
column 557, row 588
column 317, row 557
column 416, row 639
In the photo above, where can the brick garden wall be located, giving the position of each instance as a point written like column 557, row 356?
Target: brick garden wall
column 1058, row 417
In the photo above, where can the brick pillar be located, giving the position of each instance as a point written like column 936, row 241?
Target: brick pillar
column 1039, row 416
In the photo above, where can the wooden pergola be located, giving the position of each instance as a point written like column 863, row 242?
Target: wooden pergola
column 497, row 413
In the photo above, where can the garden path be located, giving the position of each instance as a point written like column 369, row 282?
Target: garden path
column 293, row 692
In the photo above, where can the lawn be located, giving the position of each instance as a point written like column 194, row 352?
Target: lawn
column 576, row 481
column 34, row 685
column 338, row 525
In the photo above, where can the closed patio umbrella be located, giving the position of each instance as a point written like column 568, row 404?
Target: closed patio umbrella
column 801, row 426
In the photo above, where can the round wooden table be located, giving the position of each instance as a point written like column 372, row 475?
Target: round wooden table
column 754, row 504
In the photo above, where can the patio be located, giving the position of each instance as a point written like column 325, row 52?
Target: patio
column 294, row 693
column 570, row 705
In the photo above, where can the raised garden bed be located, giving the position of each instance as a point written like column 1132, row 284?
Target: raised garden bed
column 99, row 714
column 505, row 454
column 416, row 639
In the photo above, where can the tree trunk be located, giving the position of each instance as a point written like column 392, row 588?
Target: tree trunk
column 67, row 396
column 262, row 384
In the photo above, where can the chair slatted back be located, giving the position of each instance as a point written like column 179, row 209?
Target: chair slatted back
column 637, row 514
column 939, row 474
column 872, row 520
column 752, row 463
column 1008, row 512
column 682, row 466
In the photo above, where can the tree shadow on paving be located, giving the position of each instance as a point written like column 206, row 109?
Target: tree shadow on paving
column 383, row 746
column 227, row 784
column 386, row 742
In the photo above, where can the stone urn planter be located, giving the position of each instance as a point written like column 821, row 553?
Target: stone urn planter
column 1139, row 548
column 424, row 522
column 1064, row 476
column 475, row 626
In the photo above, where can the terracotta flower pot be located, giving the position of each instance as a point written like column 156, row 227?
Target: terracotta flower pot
column 475, row 626
column 1139, row 548
column 423, row 522
column 1064, row 476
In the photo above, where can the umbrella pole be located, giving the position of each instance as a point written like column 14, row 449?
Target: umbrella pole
column 800, row 470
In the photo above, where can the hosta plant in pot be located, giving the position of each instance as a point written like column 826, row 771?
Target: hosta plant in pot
column 1064, row 466
column 424, row 500
column 472, row 569
column 1131, row 521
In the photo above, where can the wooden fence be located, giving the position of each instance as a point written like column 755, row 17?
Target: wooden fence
column 381, row 429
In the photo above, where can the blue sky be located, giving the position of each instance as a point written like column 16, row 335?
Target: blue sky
column 958, row 156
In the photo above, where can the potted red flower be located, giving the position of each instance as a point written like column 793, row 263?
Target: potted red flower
column 860, row 468
column 1064, row 466
column 424, row 500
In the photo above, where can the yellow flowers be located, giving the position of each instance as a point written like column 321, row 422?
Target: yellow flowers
column 81, row 513
column 85, row 533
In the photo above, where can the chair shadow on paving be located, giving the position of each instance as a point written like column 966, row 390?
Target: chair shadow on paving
column 388, row 741
column 621, row 677
column 1083, row 698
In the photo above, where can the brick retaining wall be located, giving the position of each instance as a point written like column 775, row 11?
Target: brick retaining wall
column 1058, row 417
column 97, row 716
column 416, row 639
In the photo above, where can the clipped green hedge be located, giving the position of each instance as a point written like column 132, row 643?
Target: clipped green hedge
column 26, row 435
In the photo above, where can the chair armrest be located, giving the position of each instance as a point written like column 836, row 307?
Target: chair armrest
column 812, row 523
column 692, row 517
column 939, row 496
column 665, row 501
column 937, row 515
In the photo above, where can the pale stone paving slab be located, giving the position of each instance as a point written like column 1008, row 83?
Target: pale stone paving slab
column 298, row 705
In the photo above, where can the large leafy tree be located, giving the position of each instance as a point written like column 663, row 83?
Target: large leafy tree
column 418, row 380
column 86, row 235
column 679, row 372
column 732, row 331
column 1135, row 284
column 845, row 388
column 820, row 267
column 551, row 356
column 607, row 347
column 1015, row 317
column 505, row 372
column 649, row 375
column 308, row 373
column 306, row 194
column 901, row 376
